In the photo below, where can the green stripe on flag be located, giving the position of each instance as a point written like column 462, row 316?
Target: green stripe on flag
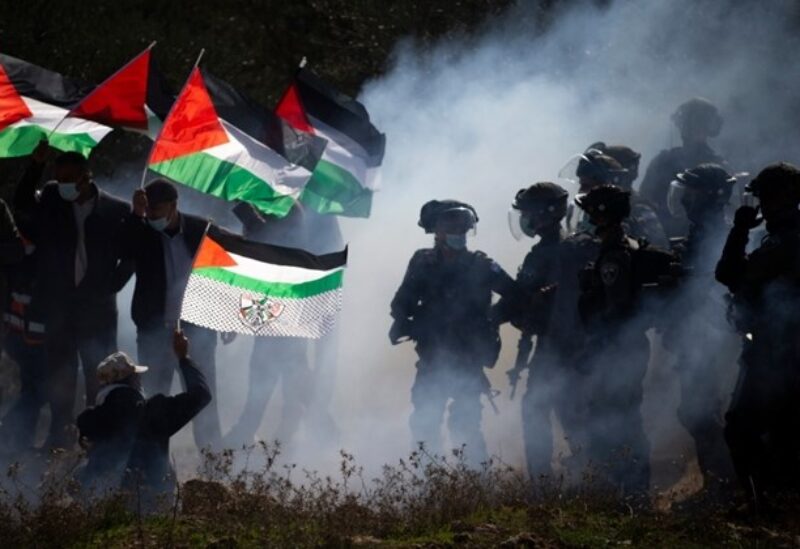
column 302, row 290
column 224, row 180
column 334, row 190
column 22, row 140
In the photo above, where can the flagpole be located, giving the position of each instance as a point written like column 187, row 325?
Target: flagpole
column 148, row 48
column 194, row 260
column 153, row 145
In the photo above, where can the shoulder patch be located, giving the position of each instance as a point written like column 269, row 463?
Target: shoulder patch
column 609, row 272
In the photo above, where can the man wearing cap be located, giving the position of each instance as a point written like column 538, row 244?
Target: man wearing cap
column 162, row 241
column 126, row 430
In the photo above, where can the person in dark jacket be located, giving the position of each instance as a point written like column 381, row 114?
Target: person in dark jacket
column 552, row 379
column 702, row 194
column 161, row 241
column 108, row 429
column 697, row 120
column 617, row 348
column 444, row 304
column 763, row 419
column 76, row 228
column 128, row 435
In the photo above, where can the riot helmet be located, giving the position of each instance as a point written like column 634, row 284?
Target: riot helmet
column 777, row 190
column 627, row 158
column 540, row 205
column 605, row 205
column 697, row 120
column 591, row 169
column 704, row 188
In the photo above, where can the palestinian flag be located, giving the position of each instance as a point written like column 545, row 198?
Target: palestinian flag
column 135, row 98
column 221, row 143
column 237, row 285
column 33, row 102
column 346, row 176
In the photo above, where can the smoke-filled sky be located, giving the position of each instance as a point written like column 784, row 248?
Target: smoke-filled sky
column 480, row 118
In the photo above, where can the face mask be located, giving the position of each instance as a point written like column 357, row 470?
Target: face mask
column 456, row 241
column 159, row 224
column 68, row 191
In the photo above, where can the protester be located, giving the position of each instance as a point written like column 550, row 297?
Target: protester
column 127, row 435
column 76, row 228
column 162, row 241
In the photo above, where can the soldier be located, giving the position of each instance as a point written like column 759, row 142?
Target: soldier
column 444, row 305
column 643, row 221
column 697, row 120
column 538, row 212
column 701, row 194
column 617, row 346
column 762, row 421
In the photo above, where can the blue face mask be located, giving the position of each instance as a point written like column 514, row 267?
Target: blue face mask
column 456, row 241
column 68, row 191
column 159, row 224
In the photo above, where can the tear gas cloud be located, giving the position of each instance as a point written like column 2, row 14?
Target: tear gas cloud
column 479, row 118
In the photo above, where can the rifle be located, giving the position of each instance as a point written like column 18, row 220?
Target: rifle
column 524, row 348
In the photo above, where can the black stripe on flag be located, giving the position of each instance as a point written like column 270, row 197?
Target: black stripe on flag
column 276, row 255
column 44, row 85
column 340, row 112
column 263, row 125
column 159, row 94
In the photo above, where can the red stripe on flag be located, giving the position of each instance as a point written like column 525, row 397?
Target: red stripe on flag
column 290, row 108
column 120, row 100
column 192, row 125
column 212, row 254
column 12, row 107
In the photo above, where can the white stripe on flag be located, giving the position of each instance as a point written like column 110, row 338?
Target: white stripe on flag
column 269, row 272
column 347, row 154
column 284, row 177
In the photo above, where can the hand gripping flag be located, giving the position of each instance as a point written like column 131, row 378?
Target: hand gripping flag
column 34, row 102
column 219, row 142
column 347, row 174
column 237, row 285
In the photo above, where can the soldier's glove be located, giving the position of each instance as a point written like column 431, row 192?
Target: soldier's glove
column 401, row 328
column 746, row 217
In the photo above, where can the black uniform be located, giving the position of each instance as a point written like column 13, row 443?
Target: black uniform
column 553, row 380
column 702, row 341
column 444, row 304
column 617, row 353
column 764, row 417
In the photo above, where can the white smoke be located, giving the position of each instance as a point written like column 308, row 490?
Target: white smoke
column 477, row 120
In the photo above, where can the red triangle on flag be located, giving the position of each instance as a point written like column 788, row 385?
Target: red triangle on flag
column 192, row 125
column 211, row 254
column 12, row 106
column 290, row 108
column 120, row 100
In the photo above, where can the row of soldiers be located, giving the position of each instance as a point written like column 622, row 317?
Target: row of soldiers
column 590, row 296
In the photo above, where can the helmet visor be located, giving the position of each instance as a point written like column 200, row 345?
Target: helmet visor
column 457, row 220
column 677, row 191
column 569, row 171
column 519, row 223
